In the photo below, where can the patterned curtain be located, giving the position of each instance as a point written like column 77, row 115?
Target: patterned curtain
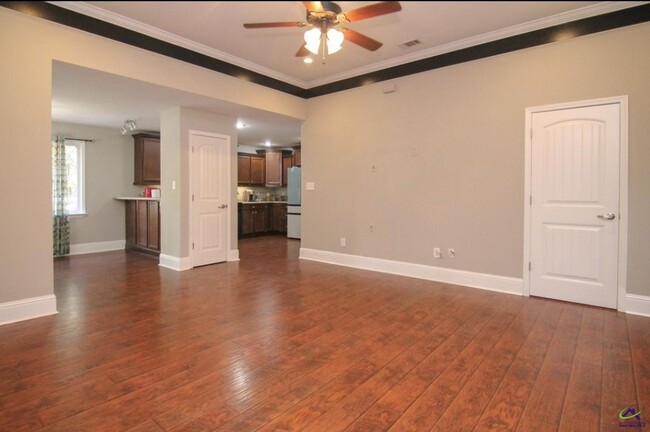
column 61, row 227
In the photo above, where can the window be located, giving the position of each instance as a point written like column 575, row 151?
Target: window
column 75, row 203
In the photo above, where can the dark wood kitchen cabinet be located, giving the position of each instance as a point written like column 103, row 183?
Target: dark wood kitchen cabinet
column 146, row 158
column 251, row 170
column 143, row 226
column 262, row 218
column 243, row 170
column 289, row 161
column 273, row 168
column 280, row 217
column 297, row 158
column 258, row 171
column 253, row 219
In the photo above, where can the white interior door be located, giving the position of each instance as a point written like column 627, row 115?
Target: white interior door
column 210, row 198
column 575, row 204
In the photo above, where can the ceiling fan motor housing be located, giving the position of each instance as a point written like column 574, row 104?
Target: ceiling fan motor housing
column 325, row 19
column 331, row 7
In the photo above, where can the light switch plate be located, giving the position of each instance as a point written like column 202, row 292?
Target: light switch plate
column 310, row 186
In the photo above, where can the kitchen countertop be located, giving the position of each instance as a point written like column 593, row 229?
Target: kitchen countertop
column 138, row 198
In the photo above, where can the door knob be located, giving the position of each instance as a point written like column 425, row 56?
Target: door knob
column 223, row 206
column 608, row 216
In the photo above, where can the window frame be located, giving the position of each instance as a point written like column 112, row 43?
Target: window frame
column 80, row 145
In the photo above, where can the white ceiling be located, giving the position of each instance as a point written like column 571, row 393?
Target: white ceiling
column 216, row 29
column 90, row 97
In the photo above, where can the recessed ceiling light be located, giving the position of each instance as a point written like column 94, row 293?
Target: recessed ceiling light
column 308, row 60
column 241, row 125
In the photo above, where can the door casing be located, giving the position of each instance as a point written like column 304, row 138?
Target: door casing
column 623, row 188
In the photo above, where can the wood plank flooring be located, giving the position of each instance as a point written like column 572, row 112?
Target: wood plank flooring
column 272, row 343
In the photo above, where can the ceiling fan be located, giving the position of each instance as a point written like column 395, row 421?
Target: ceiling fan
column 325, row 18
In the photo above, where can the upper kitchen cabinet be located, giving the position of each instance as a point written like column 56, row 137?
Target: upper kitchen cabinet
column 243, row 169
column 288, row 161
column 251, row 170
column 146, row 159
column 258, row 171
column 273, row 168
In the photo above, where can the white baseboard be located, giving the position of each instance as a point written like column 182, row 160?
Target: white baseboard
column 86, row 248
column 175, row 263
column 489, row 282
column 637, row 304
column 25, row 309
column 233, row 255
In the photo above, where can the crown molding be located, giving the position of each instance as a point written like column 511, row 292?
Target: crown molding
column 146, row 29
column 598, row 18
column 565, row 17
column 627, row 16
column 140, row 27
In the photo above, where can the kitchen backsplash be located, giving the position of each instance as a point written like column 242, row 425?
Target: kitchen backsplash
column 275, row 194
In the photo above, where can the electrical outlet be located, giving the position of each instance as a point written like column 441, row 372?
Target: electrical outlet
column 437, row 253
column 342, row 241
column 451, row 253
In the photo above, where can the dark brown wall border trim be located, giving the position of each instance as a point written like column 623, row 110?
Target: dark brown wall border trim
column 96, row 26
column 609, row 21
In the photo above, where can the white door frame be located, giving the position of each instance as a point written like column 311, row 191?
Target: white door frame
column 228, row 185
column 623, row 191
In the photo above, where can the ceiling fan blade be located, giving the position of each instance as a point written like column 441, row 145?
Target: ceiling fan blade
column 303, row 51
column 361, row 40
column 314, row 6
column 373, row 10
column 274, row 24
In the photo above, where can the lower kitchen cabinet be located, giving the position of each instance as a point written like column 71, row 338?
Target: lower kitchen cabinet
column 280, row 218
column 253, row 219
column 262, row 218
column 143, row 226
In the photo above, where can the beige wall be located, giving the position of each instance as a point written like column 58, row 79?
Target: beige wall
column 28, row 46
column 448, row 150
column 447, row 146
column 170, row 171
column 109, row 174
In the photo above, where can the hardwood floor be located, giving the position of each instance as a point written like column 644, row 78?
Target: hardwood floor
column 273, row 343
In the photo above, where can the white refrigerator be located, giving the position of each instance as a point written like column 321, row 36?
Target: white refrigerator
column 293, row 203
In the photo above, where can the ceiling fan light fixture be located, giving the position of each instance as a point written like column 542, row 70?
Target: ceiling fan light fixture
column 334, row 40
column 312, row 40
